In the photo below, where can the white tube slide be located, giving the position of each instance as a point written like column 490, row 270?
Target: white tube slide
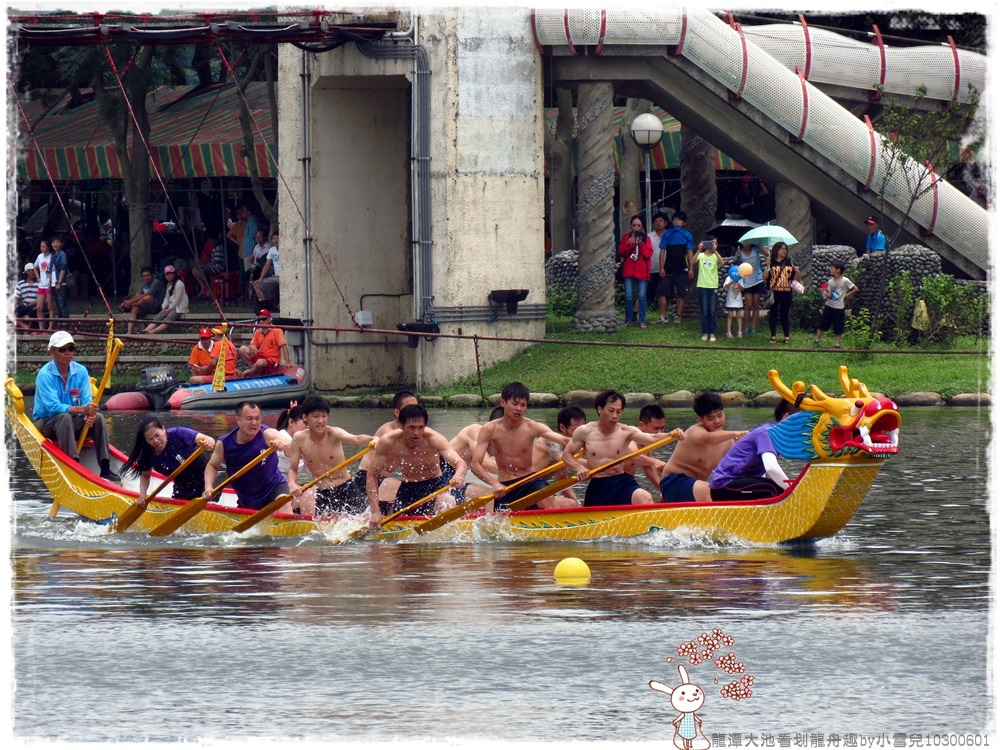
column 768, row 81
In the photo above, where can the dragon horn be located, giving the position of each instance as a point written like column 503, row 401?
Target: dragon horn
column 853, row 388
column 794, row 395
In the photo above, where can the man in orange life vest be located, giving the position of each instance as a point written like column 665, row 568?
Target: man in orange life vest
column 267, row 350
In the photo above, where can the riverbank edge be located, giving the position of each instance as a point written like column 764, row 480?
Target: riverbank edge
column 676, row 400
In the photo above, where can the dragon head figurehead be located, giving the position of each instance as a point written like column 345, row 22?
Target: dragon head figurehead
column 853, row 425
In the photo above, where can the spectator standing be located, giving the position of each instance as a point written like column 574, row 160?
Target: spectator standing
column 676, row 256
column 741, row 204
column 779, row 280
column 835, row 291
column 753, row 285
column 660, row 222
column 60, row 278
column 876, row 238
column 175, row 302
column 734, row 306
column 763, row 204
column 637, row 252
column 26, row 295
column 44, row 268
column 249, row 241
column 707, row 263
column 235, row 230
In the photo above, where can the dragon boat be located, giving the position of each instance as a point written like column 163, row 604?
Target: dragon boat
column 844, row 440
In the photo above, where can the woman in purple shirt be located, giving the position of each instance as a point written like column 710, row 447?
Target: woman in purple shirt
column 750, row 468
column 164, row 449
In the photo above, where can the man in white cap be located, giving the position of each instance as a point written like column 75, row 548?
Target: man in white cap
column 63, row 404
column 26, row 295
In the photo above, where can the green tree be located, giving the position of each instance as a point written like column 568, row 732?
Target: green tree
column 920, row 143
column 255, row 63
column 72, row 69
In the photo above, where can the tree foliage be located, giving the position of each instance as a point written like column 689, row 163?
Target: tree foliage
column 920, row 144
column 49, row 73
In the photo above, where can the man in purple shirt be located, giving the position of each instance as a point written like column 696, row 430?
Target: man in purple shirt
column 750, row 468
column 264, row 482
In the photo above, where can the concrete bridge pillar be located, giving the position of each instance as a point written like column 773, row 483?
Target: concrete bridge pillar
column 594, row 210
column 794, row 212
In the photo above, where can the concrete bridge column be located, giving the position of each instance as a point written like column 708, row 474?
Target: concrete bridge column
column 794, row 212
column 699, row 195
column 595, row 207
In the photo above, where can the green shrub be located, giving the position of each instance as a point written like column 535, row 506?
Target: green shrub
column 560, row 301
column 952, row 309
column 902, row 298
column 807, row 309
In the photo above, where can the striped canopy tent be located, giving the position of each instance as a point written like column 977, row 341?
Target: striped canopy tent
column 665, row 155
column 193, row 133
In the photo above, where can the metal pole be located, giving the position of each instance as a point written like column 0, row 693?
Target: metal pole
column 649, row 192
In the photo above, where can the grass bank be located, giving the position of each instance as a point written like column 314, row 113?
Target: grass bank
column 728, row 364
column 685, row 363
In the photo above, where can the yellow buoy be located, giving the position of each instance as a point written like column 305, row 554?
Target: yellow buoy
column 571, row 569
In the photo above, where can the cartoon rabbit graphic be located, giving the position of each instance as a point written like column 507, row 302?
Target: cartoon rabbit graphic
column 687, row 698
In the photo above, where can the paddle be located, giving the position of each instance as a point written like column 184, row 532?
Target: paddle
column 478, row 502
column 415, row 504
column 528, row 500
column 273, row 506
column 105, row 380
column 179, row 517
column 131, row 515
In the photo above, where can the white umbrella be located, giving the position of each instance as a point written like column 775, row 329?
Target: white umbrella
column 769, row 232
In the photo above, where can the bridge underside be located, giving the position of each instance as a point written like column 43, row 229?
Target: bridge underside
column 744, row 133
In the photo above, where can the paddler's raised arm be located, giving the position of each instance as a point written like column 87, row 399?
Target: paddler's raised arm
column 578, row 441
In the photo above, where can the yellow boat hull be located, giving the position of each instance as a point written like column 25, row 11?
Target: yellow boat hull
column 824, row 498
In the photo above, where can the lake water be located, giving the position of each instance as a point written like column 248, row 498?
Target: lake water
column 881, row 630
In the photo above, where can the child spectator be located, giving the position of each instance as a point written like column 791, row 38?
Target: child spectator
column 734, row 306
column 837, row 289
column 707, row 263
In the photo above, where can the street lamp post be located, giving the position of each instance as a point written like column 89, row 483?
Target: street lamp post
column 647, row 130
